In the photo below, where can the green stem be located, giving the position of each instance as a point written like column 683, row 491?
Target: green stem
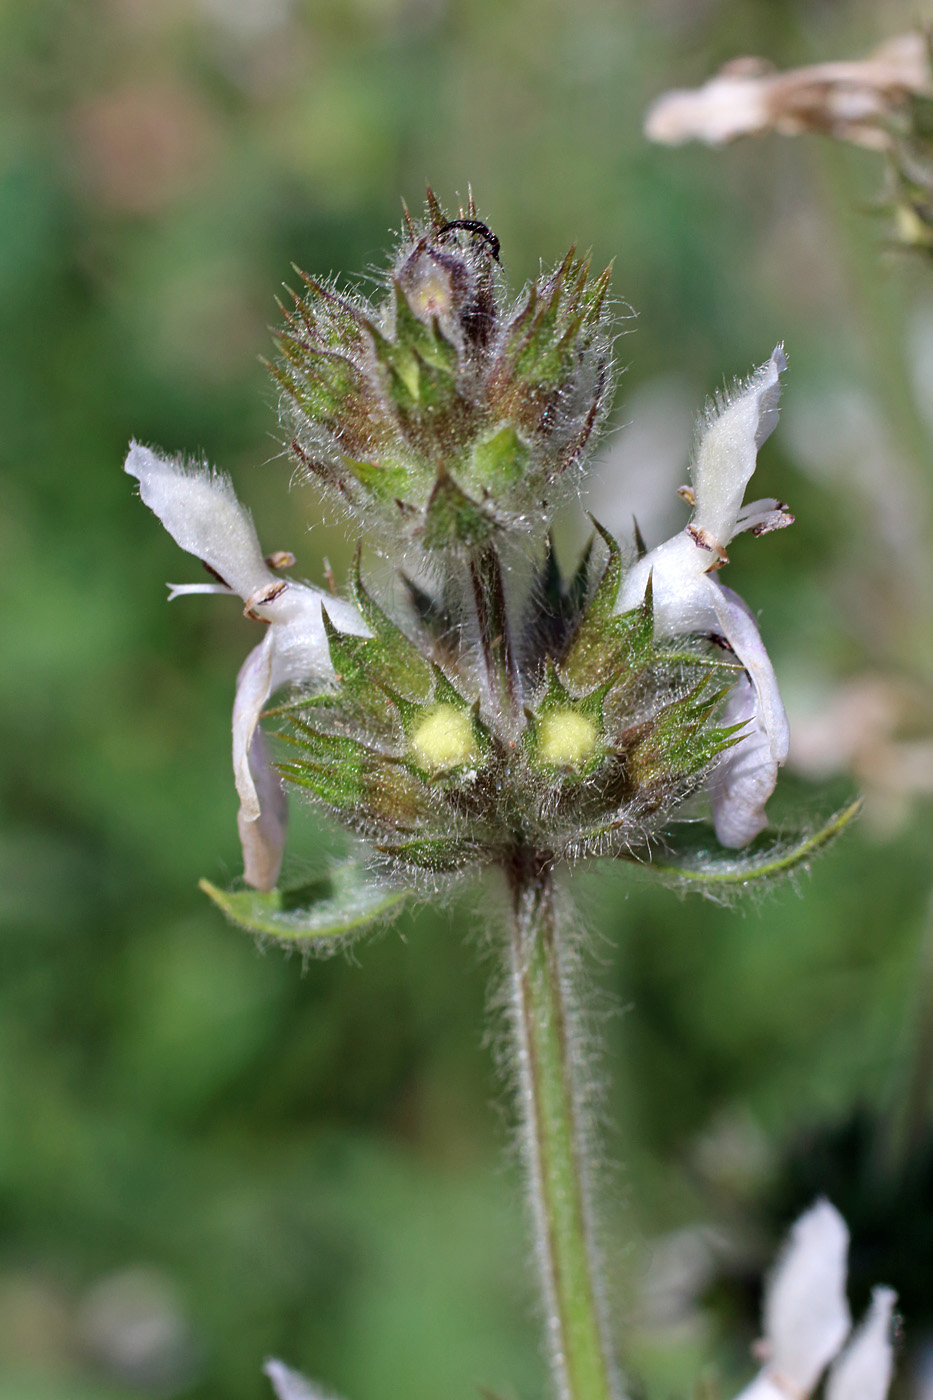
column 494, row 635
column 555, row 1142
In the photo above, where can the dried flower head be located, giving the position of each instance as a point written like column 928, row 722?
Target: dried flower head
column 883, row 102
column 857, row 101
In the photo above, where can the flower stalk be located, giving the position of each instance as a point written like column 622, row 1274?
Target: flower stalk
column 554, row 1139
column 502, row 681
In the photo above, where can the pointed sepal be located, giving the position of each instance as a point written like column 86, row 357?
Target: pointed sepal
column 608, row 645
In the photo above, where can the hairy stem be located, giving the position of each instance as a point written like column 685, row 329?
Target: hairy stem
column 555, row 1142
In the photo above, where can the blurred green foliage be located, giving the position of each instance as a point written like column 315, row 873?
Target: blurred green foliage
column 247, row 1156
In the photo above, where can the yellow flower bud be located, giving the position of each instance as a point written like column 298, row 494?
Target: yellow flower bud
column 444, row 739
column 566, row 739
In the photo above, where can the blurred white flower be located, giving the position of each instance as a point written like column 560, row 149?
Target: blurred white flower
column 876, row 729
column 853, row 101
column 807, row 1319
column 248, row 20
column 687, row 600
column 864, row 1370
column 289, row 1385
column 200, row 510
column 133, row 1322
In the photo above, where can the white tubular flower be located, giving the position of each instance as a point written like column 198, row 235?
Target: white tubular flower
column 688, row 600
column 200, row 510
column 864, row 1370
column 806, row 1315
column 807, row 1319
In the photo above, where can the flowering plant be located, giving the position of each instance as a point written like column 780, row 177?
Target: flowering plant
column 483, row 711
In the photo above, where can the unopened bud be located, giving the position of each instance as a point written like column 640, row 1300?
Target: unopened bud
column 444, row 739
column 449, row 409
column 566, row 739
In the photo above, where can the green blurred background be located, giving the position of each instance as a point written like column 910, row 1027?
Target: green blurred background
column 210, row 1153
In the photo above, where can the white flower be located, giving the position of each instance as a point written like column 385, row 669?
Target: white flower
column 807, row 1319
column 688, row 600
column 864, row 1370
column 289, row 1385
column 200, row 510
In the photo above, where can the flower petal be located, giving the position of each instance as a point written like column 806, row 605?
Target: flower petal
column 294, row 649
column 741, row 632
column 200, row 510
column 253, row 688
column 766, row 1386
column 736, row 426
column 263, row 838
column 687, row 602
column 186, row 590
column 289, row 1385
column 746, row 775
column 763, row 516
column 727, row 106
column 853, row 100
column 806, row 1315
column 863, row 1371
column 679, row 586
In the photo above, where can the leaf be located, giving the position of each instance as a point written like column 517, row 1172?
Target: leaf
column 440, row 853
column 767, row 860
column 321, row 914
